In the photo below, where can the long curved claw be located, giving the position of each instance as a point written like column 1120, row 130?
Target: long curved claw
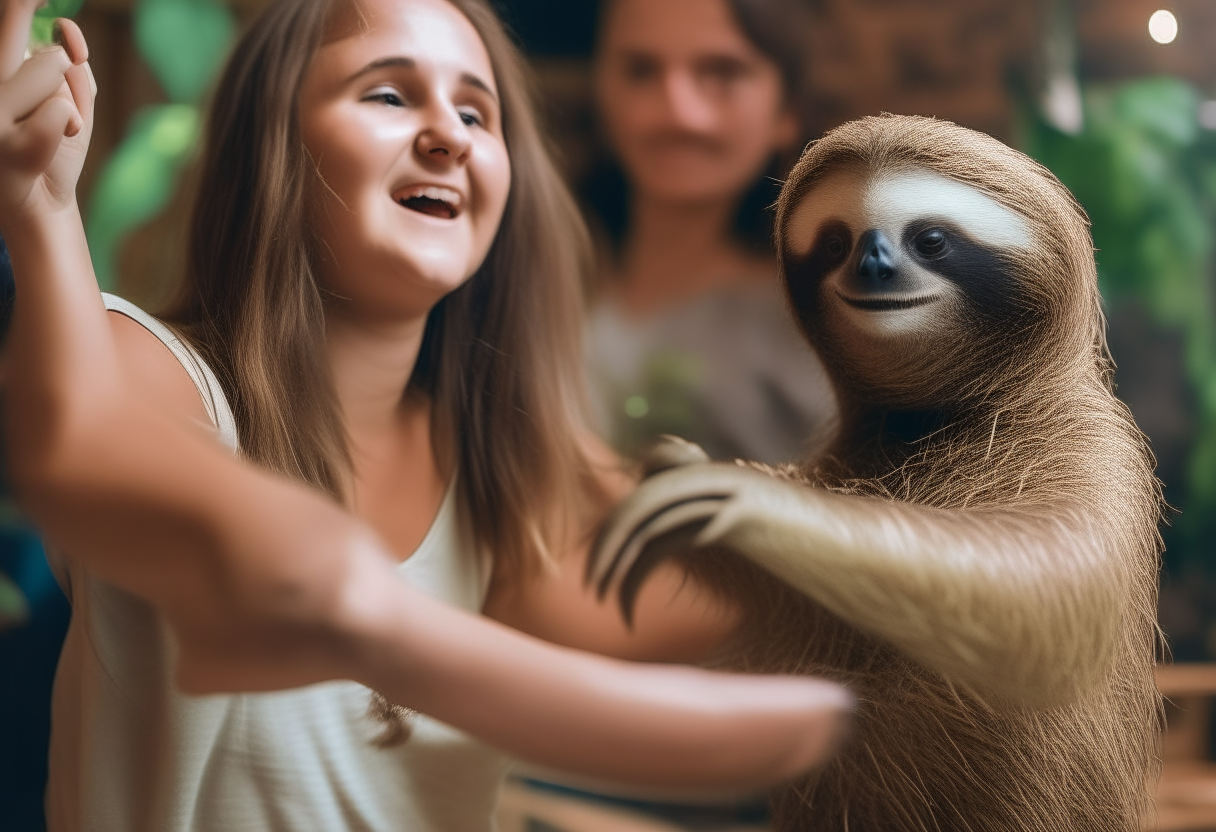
column 676, row 499
column 671, row 518
column 669, row 452
column 650, row 554
column 623, row 537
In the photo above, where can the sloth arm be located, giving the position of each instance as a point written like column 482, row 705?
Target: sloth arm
column 1025, row 606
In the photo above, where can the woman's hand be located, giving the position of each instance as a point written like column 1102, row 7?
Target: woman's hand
column 46, row 116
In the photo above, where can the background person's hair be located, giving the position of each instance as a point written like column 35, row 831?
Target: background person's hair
column 500, row 356
column 777, row 29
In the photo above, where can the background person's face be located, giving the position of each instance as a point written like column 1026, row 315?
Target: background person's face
column 693, row 110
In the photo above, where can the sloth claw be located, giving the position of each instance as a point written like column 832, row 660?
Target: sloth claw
column 663, row 517
column 673, row 527
column 671, row 452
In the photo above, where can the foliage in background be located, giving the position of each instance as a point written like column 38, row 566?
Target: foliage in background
column 184, row 42
column 42, row 28
column 1145, row 170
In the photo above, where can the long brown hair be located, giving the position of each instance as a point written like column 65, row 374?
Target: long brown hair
column 500, row 356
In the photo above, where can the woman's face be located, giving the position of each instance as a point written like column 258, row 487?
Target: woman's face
column 400, row 113
column 693, row 110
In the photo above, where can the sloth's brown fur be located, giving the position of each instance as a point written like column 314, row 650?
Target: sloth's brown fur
column 1033, row 437
column 1035, row 427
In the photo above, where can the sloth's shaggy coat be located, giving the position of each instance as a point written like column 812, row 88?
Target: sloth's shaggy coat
column 1001, row 642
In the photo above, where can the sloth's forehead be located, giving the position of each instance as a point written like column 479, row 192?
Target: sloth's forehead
column 894, row 200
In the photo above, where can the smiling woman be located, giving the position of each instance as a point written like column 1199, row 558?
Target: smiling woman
column 380, row 313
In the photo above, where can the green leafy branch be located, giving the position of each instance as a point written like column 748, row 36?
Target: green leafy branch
column 1146, row 173
column 184, row 42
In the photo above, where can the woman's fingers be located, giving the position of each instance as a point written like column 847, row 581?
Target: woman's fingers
column 73, row 40
column 38, row 79
column 33, row 143
column 80, row 77
column 83, row 90
column 16, row 17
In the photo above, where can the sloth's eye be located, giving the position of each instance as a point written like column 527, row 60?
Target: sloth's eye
column 835, row 246
column 931, row 243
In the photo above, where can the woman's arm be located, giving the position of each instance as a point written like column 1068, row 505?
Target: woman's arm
column 674, row 618
column 270, row 584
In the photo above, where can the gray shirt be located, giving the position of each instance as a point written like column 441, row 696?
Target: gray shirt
column 728, row 370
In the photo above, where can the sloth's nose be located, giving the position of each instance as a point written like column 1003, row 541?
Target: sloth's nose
column 877, row 265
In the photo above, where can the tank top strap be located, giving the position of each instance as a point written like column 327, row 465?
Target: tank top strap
column 204, row 379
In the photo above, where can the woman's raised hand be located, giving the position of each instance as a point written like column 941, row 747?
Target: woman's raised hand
column 46, row 115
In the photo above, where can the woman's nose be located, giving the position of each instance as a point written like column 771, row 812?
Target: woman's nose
column 444, row 138
column 687, row 104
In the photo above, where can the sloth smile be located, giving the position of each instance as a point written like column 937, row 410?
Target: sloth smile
column 887, row 304
column 431, row 200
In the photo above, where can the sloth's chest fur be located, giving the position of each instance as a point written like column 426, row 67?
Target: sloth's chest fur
column 926, row 754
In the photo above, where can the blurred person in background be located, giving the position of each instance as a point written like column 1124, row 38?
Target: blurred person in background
column 703, row 107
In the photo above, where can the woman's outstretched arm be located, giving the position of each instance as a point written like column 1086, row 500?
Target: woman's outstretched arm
column 271, row 585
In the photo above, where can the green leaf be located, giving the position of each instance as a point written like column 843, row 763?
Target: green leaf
column 138, row 180
column 184, row 42
column 59, row 8
column 42, row 28
column 1146, row 174
column 14, row 611
column 1165, row 107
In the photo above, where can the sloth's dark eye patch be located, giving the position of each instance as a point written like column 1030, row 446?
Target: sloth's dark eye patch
column 803, row 275
column 833, row 245
column 931, row 243
column 986, row 274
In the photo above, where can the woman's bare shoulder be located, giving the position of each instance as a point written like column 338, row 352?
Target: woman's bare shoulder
column 155, row 372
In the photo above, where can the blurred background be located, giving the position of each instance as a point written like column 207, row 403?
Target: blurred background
column 1117, row 97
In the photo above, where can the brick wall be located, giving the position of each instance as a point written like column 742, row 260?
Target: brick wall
column 946, row 58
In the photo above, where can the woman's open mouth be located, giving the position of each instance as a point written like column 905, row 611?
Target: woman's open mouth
column 431, row 200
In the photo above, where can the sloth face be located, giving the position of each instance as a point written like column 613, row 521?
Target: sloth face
column 894, row 275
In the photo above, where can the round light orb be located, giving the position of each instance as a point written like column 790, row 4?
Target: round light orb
column 1163, row 26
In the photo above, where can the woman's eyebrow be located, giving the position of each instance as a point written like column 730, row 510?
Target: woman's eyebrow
column 408, row 63
column 473, row 81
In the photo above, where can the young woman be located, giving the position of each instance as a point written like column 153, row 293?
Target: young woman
column 378, row 313
column 703, row 105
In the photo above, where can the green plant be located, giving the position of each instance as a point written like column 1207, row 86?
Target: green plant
column 14, row 609
column 1145, row 171
column 42, row 29
column 184, row 42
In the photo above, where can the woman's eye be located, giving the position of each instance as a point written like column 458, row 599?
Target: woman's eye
column 385, row 96
column 722, row 70
column 471, row 118
column 931, row 243
column 640, row 69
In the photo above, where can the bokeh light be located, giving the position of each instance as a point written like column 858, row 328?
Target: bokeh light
column 1163, row 26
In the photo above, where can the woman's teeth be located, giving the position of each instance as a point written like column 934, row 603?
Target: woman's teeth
column 432, row 200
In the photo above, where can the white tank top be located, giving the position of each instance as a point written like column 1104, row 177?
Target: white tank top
column 129, row 753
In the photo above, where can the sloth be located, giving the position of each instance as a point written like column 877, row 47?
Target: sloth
column 975, row 553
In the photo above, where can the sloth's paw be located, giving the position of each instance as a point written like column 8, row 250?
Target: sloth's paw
column 669, row 452
column 664, row 517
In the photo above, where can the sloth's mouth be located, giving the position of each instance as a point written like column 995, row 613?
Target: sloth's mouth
column 887, row 304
